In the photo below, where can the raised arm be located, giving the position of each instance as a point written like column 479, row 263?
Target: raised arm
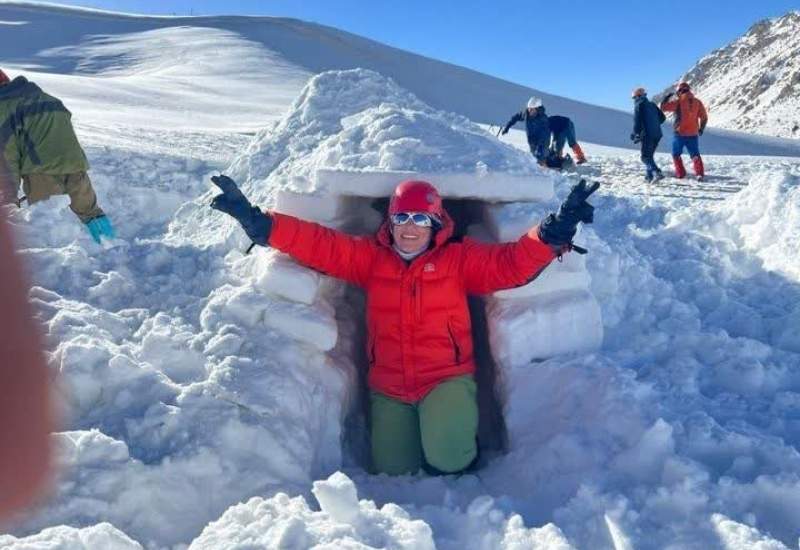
column 488, row 268
column 331, row 252
column 669, row 105
column 491, row 267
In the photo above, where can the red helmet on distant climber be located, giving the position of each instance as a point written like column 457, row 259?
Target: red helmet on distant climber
column 4, row 78
column 638, row 92
column 683, row 87
column 416, row 196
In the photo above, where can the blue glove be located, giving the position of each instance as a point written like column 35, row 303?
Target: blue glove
column 255, row 223
column 101, row 227
column 558, row 229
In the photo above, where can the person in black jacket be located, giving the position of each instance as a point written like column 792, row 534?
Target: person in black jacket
column 563, row 130
column 647, row 119
column 537, row 128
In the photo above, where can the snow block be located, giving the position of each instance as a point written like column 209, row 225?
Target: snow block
column 488, row 186
column 277, row 274
column 324, row 209
column 543, row 326
column 314, row 325
column 570, row 274
column 508, row 222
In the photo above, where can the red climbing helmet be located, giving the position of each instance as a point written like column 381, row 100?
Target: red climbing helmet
column 416, row 196
column 4, row 78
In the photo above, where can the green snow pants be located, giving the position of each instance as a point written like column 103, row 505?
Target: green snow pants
column 440, row 430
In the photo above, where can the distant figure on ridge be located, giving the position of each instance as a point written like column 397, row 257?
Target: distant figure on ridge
column 38, row 145
column 690, row 122
column 537, row 128
column 647, row 119
column 423, row 395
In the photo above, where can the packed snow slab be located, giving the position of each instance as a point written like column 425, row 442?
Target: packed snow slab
column 492, row 187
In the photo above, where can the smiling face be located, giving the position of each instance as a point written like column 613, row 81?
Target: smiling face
column 411, row 238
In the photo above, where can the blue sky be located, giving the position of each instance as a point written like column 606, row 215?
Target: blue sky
column 593, row 51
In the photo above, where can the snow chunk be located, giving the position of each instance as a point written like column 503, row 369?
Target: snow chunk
column 343, row 522
column 543, row 326
column 735, row 536
column 315, row 326
column 277, row 274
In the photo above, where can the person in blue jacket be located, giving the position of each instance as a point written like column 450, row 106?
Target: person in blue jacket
column 563, row 130
column 647, row 119
column 537, row 128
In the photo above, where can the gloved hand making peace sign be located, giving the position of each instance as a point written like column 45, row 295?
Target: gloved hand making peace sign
column 557, row 230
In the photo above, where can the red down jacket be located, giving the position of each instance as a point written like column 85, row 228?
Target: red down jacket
column 419, row 330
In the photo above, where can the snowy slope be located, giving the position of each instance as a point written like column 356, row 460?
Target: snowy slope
column 207, row 391
column 258, row 64
column 753, row 83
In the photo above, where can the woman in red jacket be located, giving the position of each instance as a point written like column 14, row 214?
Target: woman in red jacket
column 423, row 396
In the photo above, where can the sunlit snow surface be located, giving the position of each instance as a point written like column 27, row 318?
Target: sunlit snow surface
column 205, row 390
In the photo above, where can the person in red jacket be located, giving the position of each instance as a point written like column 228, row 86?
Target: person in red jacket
column 421, row 362
column 690, row 122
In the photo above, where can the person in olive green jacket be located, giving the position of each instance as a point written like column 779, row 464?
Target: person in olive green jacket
column 39, row 147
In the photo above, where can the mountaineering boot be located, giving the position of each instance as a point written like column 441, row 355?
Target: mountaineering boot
column 579, row 156
column 699, row 169
column 680, row 169
column 658, row 176
column 101, row 227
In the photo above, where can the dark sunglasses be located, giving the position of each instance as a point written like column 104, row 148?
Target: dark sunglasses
column 417, row 218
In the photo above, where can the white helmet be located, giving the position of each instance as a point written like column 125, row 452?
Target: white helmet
column 534, row 102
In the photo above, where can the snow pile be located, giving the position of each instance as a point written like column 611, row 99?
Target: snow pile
column 344, row 522
column 186, row 388
column 102, row 535
column 765, row 217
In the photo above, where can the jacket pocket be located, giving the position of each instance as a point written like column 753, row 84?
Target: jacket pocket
column 454, row 342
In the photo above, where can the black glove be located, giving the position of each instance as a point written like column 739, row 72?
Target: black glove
column 256, row 223
column 504, row 131
column 557, row 230
column 700, row 131
column 636, row 138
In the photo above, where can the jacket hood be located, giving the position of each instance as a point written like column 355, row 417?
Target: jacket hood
column 18, row 87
